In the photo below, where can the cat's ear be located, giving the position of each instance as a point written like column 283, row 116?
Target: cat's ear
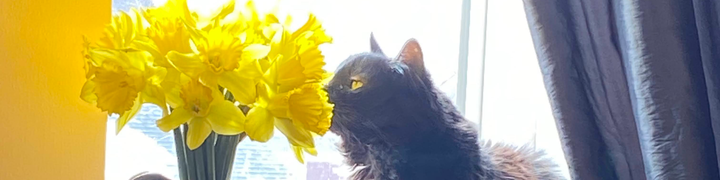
column 374, row 47
column 411, row 55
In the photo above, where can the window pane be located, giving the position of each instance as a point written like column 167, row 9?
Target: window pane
column 435, row 24
column 516, row 108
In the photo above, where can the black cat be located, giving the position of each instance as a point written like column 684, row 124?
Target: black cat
column 395, row 125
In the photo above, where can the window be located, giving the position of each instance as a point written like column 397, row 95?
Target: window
column 515, row 105
column 512, row 83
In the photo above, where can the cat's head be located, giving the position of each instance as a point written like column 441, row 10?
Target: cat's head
column 375, row 94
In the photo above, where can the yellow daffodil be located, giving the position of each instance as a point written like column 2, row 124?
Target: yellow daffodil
column 117, row 85
column 167, row 35
column 254, row 27
column 306, row 113
column 297, row 57
column 222, row 59
column 205, row 110
column 168, row 32
column 120, row 81
column 120, row 77
column 123, row 32
column 312, row 32
column 271, row 111
column 307, row 106
column 172, row 9
column 298, row 114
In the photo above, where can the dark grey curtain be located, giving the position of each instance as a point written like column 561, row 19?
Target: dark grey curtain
column 634, row 85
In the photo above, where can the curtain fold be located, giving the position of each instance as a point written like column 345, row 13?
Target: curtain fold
column 634, row 85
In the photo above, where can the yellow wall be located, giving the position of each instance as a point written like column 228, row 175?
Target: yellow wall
column 46, row 131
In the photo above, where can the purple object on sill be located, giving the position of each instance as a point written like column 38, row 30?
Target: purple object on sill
column 321, row 171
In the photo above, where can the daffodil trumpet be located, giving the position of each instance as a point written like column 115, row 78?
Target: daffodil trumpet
column 218, row 79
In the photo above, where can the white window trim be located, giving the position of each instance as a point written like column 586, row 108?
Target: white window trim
column 463, row 57
column 461, row 97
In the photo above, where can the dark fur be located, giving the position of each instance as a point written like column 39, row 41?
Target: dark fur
column 398, row 126
column 149, row 176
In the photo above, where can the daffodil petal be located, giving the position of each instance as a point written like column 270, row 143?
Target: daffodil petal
column 129, row 29
column 251, row 69
column 196, row 35
column 278, row 105
column 87, row 94
column 259, row 124
column 295, row 134
column 311, row 151
column 155, row 95
column 298, row 154
column 308, row 108
column 171, row 86
column 313, row 61
column 98, row 56
column 255, row 51
column 139, row 28
column 127, row 115
column 226, row 10
column 174, row 120
column 198, row 130
column 189, row 64
column 179, row 8
column 272, row 28
column 327, row 76
column 156, row 75
column 146, row 44
column 243, row 89
column 288, row 21
column 226, row 118
column 276, row 40
column 116, row 89
column 263, row 94
column 136, row 59
column 209, row 79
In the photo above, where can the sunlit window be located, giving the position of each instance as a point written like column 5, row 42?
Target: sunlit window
column 515, row 107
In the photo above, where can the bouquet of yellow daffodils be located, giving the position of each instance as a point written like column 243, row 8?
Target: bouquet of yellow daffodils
column 218, row 79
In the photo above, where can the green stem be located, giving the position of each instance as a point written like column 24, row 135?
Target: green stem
column 180, row 152
column 190, row 157
column 225, row 155
column 200, row 166
column 209, row 154
column 221, row 156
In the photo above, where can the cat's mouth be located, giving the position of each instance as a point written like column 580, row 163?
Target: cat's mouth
column 337, row 122
column 334, row 127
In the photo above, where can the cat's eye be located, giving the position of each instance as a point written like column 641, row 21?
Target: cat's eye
column 355, row 84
